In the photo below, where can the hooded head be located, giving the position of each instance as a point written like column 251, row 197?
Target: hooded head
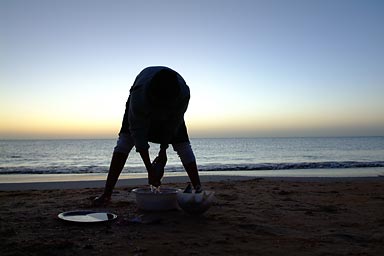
column 164, row 87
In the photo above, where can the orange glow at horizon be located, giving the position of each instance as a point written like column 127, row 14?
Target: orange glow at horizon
column 102, row 122
column 202, row 128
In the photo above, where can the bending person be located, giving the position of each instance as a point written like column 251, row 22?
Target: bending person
column 154, row 113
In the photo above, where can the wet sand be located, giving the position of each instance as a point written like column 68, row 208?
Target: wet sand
column 259, row 216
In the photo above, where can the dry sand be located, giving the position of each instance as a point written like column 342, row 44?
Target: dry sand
column 253, row 217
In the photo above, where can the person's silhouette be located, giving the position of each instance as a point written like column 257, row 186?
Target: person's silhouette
column 154, row 113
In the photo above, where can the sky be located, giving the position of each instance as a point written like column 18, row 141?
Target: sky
column 255, row 68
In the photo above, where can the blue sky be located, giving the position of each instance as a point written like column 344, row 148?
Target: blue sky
column 255, row 68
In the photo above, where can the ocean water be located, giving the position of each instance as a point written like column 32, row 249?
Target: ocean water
column 254, row 154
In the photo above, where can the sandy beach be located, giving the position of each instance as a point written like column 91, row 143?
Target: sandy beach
column 254, row 216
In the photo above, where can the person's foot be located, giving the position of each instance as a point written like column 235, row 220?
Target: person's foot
column 198, row 189
column 101, row 200
column 188, row 189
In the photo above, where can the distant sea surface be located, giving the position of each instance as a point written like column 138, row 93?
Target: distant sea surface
column 93, row 156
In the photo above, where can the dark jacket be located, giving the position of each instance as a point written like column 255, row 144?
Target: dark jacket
column 142, row 114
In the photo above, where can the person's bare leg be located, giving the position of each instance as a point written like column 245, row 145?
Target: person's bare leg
column 116, row 166
column 193, row 174
column 187, row 157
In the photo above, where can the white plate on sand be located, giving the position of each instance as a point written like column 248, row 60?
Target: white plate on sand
column 84, row 216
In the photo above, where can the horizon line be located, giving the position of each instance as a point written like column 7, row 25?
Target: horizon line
column 198, row 137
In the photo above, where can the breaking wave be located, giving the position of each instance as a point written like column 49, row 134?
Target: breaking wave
column 206, row 167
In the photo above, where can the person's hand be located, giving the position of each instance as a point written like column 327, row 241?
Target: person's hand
column 153, row 178
column 159, row 163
